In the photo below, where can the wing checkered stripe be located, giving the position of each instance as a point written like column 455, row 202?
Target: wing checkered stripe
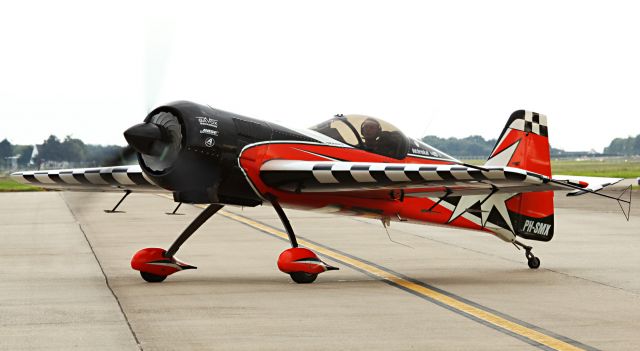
column 81, row 178
column 30, row 178
column 344, row 177
column 477, row 174
column 56, row 178
column 108, row 177
column 360, row 173
column 137, row 178
column 380, row 176
column 414, row 175
column 119, row 176
column 295, row 175
column 372, row 173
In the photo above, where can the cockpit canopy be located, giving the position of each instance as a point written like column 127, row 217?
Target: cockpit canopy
column 366, row 133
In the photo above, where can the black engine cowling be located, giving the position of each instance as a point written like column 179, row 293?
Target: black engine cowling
column 192, row 150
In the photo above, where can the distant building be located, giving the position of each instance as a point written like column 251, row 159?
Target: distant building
column 12, row 162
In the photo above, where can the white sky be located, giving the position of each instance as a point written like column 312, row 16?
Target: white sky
column 449, row 68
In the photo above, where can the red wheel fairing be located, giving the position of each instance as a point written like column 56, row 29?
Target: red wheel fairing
column 153, row 260
column 299, row 259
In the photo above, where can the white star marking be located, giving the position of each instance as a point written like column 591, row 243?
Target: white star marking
column 502, row 159
column 496, row 201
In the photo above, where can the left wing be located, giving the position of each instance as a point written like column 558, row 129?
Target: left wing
column 90, row 179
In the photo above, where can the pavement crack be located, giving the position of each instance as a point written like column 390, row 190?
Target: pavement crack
column 106, row 279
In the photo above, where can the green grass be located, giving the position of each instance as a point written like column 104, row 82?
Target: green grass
column 607, row 168
column 610, row 168
column 6, row 185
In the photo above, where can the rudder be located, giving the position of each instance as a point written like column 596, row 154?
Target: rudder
column 524, row 144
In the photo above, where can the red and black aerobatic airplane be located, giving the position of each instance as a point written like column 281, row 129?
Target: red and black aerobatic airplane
column 350, row 165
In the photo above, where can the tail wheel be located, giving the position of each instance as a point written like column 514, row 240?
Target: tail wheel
column 152, row 278
column 303, row 277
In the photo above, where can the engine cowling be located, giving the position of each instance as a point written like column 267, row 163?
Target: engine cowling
column 192, row 150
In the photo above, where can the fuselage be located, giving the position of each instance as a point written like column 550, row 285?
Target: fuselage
column 204, row 155
column 386, row 205
column 219, row 155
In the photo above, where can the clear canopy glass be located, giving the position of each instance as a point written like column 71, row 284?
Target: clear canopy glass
column 366, row 133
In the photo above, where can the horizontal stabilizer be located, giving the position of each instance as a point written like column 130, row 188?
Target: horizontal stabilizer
column 588, row 183
column 592, row 185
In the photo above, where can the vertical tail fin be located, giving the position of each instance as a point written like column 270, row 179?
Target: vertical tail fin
column 524, row 144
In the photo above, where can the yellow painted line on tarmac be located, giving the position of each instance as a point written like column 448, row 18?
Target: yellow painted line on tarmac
column 537, row 338
column 489, row 317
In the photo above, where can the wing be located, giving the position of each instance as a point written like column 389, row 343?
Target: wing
column 90, row 179
column 415, row 179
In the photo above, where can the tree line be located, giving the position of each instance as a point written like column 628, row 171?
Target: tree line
column 471, row 146
column 476, row 146
column 70, row 150
column 76, row 152
column 626, row 146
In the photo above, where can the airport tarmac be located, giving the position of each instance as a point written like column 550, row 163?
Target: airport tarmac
column 66, row 282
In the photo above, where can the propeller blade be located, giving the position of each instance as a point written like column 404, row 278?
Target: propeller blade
column 123, row 157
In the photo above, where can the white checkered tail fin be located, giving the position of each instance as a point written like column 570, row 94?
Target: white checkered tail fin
column 524, row 144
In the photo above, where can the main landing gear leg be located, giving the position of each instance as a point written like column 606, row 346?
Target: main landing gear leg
column 156, row 264
column 126, row 193
column 175, row 211
column 533, row 261
column 303, row 265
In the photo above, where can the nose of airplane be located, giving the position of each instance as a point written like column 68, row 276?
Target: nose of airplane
column 146, row 138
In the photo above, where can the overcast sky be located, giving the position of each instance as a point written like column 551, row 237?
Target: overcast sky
column 449, row 68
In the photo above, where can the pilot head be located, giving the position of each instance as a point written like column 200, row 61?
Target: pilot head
column 370, row 130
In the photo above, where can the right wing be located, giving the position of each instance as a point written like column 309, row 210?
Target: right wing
column 427, row 180
column 506, row 200
column 331, row 176
column 98, row 179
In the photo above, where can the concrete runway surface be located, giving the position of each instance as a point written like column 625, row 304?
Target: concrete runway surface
column 65, row 281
